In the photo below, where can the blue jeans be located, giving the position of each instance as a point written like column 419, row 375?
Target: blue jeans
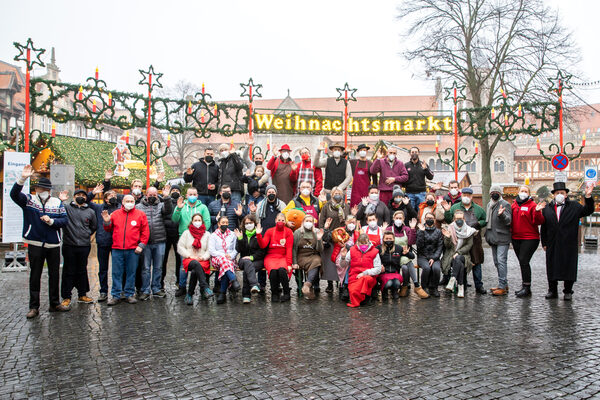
column 153, row 258
column 123, row 261
column 416, row 199
column 500, row 254
column 206, row 199
column 103, row 257
column 225, row 279
column 477, row 276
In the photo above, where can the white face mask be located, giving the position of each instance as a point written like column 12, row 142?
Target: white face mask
column 224, row 154
column 391, row 157
column 351, row 227
column 466, row 200
column 44, row 195
column 308, row 225
column 453, row 192
column 560, row 198
column 197, row 224
column 523, row 195
column 374, row 196
column 398, row 222
column 305, row 192
column 337, row 153
column 397, row 199
column 129, row 206
column 249, row 227
column 362, row 153
column 372, row 224
column 285, row 155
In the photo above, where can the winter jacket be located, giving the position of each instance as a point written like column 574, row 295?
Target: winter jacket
column 392, row 260
column 157, row 214
column 103, row 238
column 81, row 226
column 203, row 175
column 171, row 227
column 430, row 243
column 186, row 249
column 381, row 211
column 449, row 251
column 416, row 177
column 183, row 216
column 397, row 171
column 35, row 231
column 329, row 211
column 497, row 231
column 215, row 245
column 129, row 229
column 230, row 172
column 526, row 220
column 217, row 206
column 409, row 211
column 254, row 184
column 249, row 247
column 368, row 262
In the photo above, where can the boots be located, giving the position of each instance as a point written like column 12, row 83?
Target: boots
column 394, row 291
column 524, row 292
column 235, row 285
column 384, row 294
column 221, row 298
column 461, row 291
column 286, row 296
column 307, row 291
column 420, row 292
column 329, row 288
column 404, row 291
column 275, row 295
column 345, row 294
column 451, row 284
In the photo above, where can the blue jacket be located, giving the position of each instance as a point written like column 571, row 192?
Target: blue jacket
column 215, row 208
column 103, row 238
column 35, row 231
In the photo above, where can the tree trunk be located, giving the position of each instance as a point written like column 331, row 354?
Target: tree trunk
column 486, row 173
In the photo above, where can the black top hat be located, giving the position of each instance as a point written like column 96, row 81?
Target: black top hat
column 559, row 186
column 362, row 146
column 44, row 183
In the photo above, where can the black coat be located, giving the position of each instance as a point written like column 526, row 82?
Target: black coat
column 391, row 260
column 203, row 175
column 171, row 227
column 560, row 238
column 430, row 243
column 230, row 169
column 409, row 211
column 250, row 248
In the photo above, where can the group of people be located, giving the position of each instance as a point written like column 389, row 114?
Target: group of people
column 371, row 225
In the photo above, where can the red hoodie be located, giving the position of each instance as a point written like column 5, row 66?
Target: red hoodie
column 129, row 229
column 526, row 220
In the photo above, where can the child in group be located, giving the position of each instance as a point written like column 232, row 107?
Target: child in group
column 256, row 189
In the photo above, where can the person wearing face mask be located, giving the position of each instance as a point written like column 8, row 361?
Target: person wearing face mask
column 182, row 215
column 338, row 172
column 226, row 206
column 458, row 240
column 204, row 176
column 256, row 186
column 231, row 171
column 362, row 178
column 223, row 253
column 279, row 242
column 430, row 245
column 475, row 217
column 43, row 217
column 392, row 256
column 453, row 196
column 364, row 266
column 306, row 254
column 157, row 213
column 391, row 172
column 268, row 209
column 418, row 171
column 130, row 232
column 497, row 235
column 372, row 205
column 171, row 194
column 525, row 234
column 405, row 237
column 343, row 238
column 559, row 234
column 306, row 202
column 400, row 202
column 251, row 258
column 280, row 166
column 76, row 246
column 305, row 171
column 193, row 248
column 373, row 230
column 258, row 159
column 427, row 206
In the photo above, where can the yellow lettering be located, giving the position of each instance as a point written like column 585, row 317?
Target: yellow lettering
column 434, row 125
column 391, row 125
column 376, row 125
column 447, row 123
column 353, row 125
column 314, row 125
column 337, row 125
column 263, row 121
column 288, row 122
column 409, row 125
column 365, row 124
column 300, row 124
column 326, row 125
column 420, row 124
column 278, row 123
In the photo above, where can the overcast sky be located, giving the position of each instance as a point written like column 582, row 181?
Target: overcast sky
column 309, row 47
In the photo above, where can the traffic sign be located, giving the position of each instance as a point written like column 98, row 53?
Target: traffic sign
column 560, row 176
column 591, row 174
column 560, row 161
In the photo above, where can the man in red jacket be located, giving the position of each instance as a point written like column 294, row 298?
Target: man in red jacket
column 129, row 227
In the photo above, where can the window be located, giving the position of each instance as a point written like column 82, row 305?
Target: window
column 438, row 165
column 472, row 167
column 4, row 126
column 8, row 100
column 431, row 163
column 499, row 165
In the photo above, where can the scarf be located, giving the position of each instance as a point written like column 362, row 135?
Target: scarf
column 249, row 234
column 459, row 235
column 490, row 208
column 340, row 210
column 223, row 237
column 261, row 210
column 520, row 202
column 197, row 234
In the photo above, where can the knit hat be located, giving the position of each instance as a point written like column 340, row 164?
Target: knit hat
column 175, row 187
column 496, row 188
column 44, row 183
column 271, row 187
column 397, row 191
column 79, row 191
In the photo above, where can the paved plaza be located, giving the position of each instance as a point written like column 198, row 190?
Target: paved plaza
column 478, row 347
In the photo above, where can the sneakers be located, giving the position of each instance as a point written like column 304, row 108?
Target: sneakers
column 34, row 312
column 255, row 289
column 85, row 299
column 307, row 291
column 102, row 297
column 161, row 293
column 189, row 300
column 421, row 293
column 524, row 292
column 404, row 291
column 461, row 291
column 180, row 292
column 66, row 303
column 246, row 300
column 451, row 283
column 207, row 293
column 131, row 299
column 113, row 301
column 144, row 296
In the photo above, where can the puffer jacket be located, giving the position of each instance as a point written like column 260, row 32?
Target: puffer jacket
column 430, row 243
column 230, row 170
column 157, row 214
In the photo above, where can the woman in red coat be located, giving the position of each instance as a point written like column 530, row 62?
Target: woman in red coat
column 526, row 219
column 279, row 242
column 365, row 265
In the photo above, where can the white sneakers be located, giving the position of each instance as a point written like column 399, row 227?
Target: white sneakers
column 461, row 291
column 451, row 283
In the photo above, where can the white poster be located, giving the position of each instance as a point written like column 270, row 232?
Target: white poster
column 12, row 215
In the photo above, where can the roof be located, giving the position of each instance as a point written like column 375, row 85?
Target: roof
column 20, row 79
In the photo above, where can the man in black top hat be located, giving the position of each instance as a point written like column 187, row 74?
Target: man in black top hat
column 560, row 240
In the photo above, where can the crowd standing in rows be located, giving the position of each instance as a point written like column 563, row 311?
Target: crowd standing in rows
column 372, row 226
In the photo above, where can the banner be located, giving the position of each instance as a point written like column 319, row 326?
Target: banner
column 12, row 215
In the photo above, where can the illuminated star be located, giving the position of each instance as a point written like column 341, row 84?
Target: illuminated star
column 342, row 94
column 460, row 92
column 563, row 79
column 22, row 56
column 255, row 89
column 146, row 78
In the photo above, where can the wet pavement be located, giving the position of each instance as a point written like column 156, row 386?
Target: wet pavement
column 478, row 347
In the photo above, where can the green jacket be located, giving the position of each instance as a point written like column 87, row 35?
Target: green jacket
column 474, row 212
column 183, row 215
column 449, row 251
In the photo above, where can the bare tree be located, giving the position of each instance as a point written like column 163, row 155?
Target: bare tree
column 487, row 45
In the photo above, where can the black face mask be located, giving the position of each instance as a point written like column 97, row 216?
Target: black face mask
column 271, row 197
column 430, row 202
column 257, row 163
column 389, row 243
column 337, row 198
column 226, row 195
column 208, row 159
column 223, row 228
column 414, row 157
column 429, row 222
column 80, row 200
column 152, row 200
column 460, row 222
column 175, row 195
column 112, row 201
column 495, row 196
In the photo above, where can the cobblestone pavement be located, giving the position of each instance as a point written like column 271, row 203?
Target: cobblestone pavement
column 478, row 347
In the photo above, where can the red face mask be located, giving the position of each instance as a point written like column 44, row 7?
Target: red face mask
column 280, row 225
column 305, row 157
